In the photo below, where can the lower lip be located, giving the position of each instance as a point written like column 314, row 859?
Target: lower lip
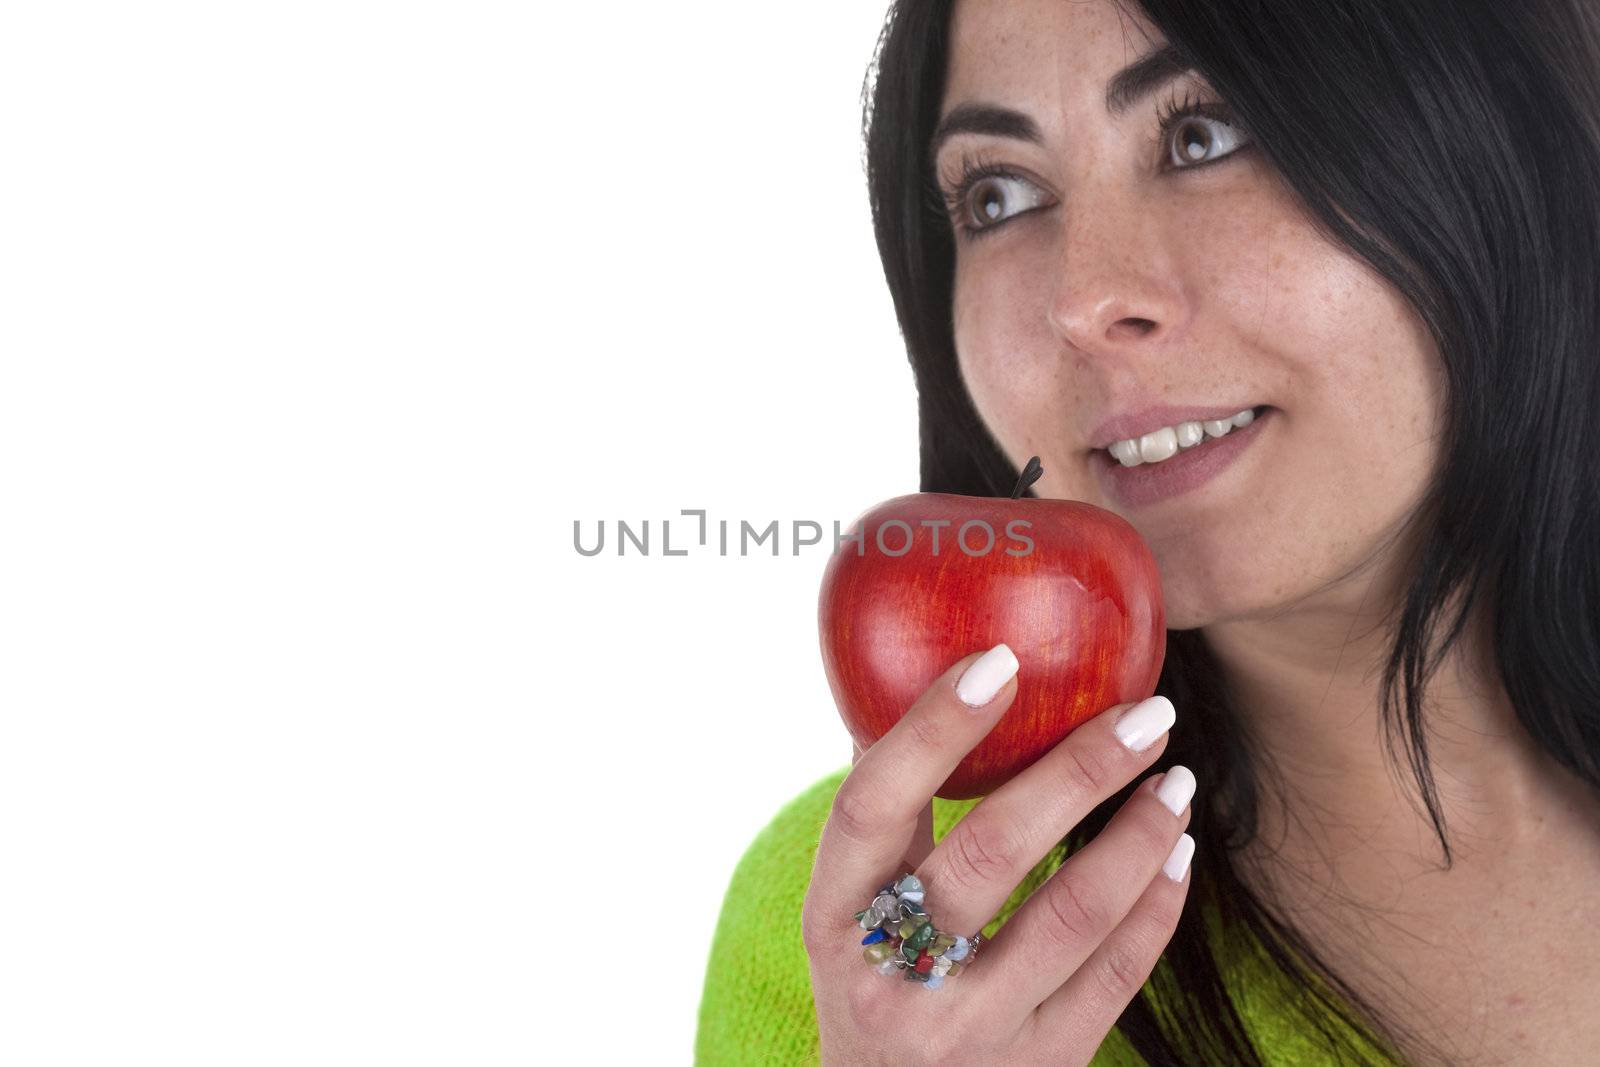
column 1148, row 483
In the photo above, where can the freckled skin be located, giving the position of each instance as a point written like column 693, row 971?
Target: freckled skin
column 1209, row 285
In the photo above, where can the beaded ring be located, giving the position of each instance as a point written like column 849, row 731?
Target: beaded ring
column 903, row 937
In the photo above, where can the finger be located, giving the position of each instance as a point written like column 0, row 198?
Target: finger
column 1085, row 1008
column 873, row 822
column 983, row 858
column 921, row 840
column 1067, row 918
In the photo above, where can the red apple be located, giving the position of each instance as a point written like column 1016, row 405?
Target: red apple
column 1072, row 588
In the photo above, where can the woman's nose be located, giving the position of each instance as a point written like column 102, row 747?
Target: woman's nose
column 1115, row 284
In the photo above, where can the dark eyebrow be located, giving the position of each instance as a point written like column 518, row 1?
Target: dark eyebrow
column 1144, row 76
column 1135, row 81
column 984, row 118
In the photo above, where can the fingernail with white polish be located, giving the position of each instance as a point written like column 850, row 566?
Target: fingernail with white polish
column 987, row 675
column 1178, row 862
column 1141, row 725
column 1176, row 788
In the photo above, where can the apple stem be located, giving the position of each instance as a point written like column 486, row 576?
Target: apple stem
column 1031, row 472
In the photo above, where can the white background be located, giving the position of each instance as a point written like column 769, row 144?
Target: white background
column 322, row 324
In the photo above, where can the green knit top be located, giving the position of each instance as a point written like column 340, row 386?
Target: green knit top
column 756, row 1007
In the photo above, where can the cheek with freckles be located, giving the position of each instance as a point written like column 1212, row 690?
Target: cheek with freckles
column 1023, row 384
column 1001, row 328
column 1359, row 386
column 1271, row 310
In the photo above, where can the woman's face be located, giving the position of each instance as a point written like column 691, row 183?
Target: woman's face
column 1110, row 268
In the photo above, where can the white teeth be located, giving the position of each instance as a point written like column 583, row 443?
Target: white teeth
column 1126, row 453
column 1168, row 441
column 1160, row 445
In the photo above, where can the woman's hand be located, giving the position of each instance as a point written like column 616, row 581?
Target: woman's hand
column 1053, row 981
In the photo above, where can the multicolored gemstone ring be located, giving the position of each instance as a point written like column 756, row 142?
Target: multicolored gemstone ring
column 902, row 937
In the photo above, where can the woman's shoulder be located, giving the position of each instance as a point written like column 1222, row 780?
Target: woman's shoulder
column 792, row 834
column 755, row 1004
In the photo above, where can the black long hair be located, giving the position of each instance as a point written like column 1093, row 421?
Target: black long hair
column 1454, row 145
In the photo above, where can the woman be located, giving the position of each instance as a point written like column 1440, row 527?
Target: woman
column 1355, row 242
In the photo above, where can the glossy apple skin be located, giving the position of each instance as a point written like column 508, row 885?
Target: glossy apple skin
column 1081, row 609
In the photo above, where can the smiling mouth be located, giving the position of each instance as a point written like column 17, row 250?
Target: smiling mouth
column 1158, row 446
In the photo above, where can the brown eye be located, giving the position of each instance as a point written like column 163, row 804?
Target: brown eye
column 1194, row 141
column 995, row 198
column 1202, row 139
column 988, row 202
